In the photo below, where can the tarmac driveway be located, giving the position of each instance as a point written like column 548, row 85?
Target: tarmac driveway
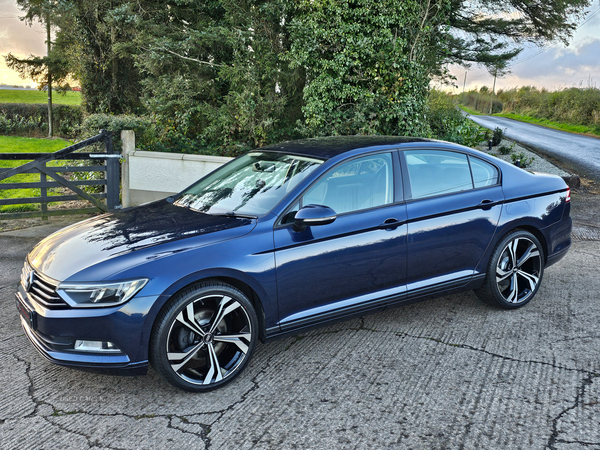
column 447, row 373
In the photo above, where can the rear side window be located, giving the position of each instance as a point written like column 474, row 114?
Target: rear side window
column 437, row 172
column 484, row 174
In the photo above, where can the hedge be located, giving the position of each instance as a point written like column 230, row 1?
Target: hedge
column 32, row 119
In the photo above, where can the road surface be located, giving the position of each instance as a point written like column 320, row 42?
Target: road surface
column 582, row 153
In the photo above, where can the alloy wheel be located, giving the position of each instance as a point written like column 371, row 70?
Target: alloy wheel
column 518, row 270
column 209, row 339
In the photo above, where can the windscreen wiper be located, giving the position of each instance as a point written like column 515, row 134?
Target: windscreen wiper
column 236, row 214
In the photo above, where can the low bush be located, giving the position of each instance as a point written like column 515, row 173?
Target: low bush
column 521, row 160
column 141, row 125
column 449, row 124
column 571, row 106
column 497, row 136
column 480, row 101
column 504, row 150
column 32, row 119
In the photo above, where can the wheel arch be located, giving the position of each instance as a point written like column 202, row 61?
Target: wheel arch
column 504, row 230
column 538, row 234
column 239, row 280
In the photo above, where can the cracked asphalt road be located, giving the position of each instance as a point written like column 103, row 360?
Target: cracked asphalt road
column 448, row 373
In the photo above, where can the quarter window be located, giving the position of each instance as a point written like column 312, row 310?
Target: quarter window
column 358, row 184
column 435, row 172
column 484, row 174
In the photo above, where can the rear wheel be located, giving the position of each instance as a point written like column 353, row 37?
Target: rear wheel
column 204, row 337
column 514, row 271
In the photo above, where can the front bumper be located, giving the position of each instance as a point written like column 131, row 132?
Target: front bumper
column 53, row 333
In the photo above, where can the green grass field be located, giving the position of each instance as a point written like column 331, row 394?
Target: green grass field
column 9, row 144
column 18, row 96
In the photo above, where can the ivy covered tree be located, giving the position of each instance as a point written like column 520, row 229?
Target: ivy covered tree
column 367, row 65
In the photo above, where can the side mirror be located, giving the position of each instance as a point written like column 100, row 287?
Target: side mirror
column 312, row 215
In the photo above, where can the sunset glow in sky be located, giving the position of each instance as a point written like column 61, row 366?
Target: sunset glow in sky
column 554, row 68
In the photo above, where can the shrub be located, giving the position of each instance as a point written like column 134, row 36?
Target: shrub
column 521, row 160
column 449, row 124
column 32, row 119
column 141, row 125
column 480, row 101
column 504, row 150
column 497, row 136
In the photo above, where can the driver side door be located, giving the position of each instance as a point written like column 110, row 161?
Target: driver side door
column 329, row 271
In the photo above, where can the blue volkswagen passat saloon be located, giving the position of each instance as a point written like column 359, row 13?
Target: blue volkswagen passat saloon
column 283, row 239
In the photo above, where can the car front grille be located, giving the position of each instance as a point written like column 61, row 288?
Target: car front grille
column 41, row 289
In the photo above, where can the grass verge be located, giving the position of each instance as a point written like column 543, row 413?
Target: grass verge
column 580, row 129
column 11, row 144
column 470, row 110
column 18, row 96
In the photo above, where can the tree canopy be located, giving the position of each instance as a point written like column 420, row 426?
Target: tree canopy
column 239, row 74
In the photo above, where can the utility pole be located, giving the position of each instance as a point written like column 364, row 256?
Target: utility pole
column 493, row 89
column 49, row 84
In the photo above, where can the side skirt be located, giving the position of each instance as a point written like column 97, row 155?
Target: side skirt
column 416, row 296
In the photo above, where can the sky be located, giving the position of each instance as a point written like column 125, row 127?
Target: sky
column 18, row 38
column 554, row 68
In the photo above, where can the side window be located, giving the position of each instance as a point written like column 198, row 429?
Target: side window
column 437, row 172
column 358, row 184
column 484, row 174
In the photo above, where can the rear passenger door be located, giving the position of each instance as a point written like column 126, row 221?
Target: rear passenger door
column 453, row 207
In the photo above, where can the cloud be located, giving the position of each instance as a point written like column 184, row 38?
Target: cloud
column 562, row 66
column 16, row 36
column 555, row 68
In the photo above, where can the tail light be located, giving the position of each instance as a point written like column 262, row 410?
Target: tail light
column 568, row 198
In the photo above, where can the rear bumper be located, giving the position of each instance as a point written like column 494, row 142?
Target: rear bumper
column 559, row 240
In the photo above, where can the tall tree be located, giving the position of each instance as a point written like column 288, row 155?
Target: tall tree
column 42, row 70
column 213, row 71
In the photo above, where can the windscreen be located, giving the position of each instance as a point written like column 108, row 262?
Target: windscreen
column 250, row 185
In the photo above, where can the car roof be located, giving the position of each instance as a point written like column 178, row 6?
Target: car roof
column 329, row 147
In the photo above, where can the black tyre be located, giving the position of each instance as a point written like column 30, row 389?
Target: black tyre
column 204, row 337
column 514, row 272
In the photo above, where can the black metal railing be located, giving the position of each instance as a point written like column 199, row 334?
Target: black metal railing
column 105, row 201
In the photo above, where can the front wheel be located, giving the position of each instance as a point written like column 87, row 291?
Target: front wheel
column 204, row 337
column 514, row 271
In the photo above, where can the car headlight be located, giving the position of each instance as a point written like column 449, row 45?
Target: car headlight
column 95, row 295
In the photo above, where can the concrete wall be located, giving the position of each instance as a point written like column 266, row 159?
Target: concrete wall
column 149, row 176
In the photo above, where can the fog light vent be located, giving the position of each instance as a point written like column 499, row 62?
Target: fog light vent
column 96, row 347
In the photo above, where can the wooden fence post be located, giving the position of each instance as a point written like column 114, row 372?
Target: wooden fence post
column 44, row 195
